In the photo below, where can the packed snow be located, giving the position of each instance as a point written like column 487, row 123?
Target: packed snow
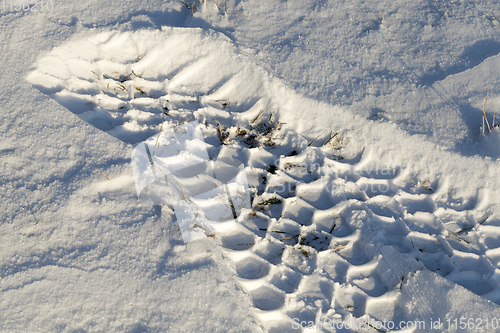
column 250, row 166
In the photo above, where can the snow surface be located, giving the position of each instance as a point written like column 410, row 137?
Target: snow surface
column 394, row 218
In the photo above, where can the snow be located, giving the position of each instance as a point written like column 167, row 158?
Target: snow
column 358, row 127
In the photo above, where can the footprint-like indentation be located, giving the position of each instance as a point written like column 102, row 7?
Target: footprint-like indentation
column 350, row 298
column 308, row 245
column 270, row 250
column 467, row 243
column 385, row 206
column 267, row 298
column 416, row 202
column 237, row 240
column 77, row 103
column 316, row 289
column 101, row 119
column 472, row 262
column 424, row 242
column 473, row 281
column 342, row 190
column 383, row 307
column 285, row 230
column 374, row 187
column 438, row 262
column 333, row 265
column 252, row 268
column 298, row 210
column 304, row 167
column 188, row 76
column 371, row 285
column 315, row 194
column 365, row 278
column 270, row 204
column 260, row 158
column 494, row 256
column 300, row 258
column 318, row 240
column 394, row 230
column 281, row 184
column 326, row 220
column 423, row 222
column 491, row 235
column 356, row 252
column 284, row 278
column 256, row 222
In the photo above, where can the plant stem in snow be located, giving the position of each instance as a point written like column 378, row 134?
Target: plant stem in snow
column 484, row 112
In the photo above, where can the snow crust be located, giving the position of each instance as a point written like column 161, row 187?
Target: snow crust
column 409, row 184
